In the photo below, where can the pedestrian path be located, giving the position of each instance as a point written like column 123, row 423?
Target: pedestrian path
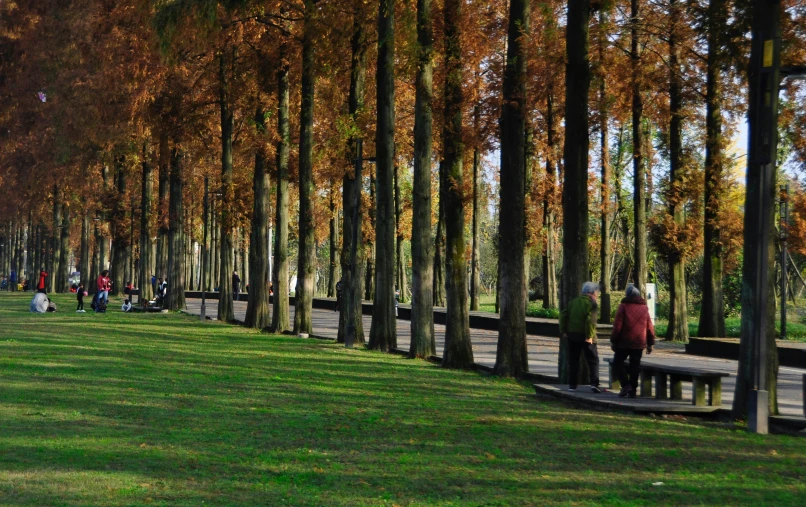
column 543, row 352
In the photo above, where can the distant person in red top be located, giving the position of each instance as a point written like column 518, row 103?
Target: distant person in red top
column 104, row 284
column 632, row 333
column 40, row 287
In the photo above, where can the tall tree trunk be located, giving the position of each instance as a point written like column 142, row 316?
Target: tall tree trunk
column 422, row 296
column 162, row 205
column 56, row 242
column 351, row 327
column 400, row 266
column 306, row 265
column 369, row 282
column 147, row 190
column 175, row 300
column 96, row 258
column 226, row 70
column 281, row 313
column 575, row 154
column 712, row 313
column 758, row 323
column 84, row 262
column 550, row 253
column 104, row 245
column 333, row 271
column 639, row 164
column 511, row 355
column 604, row 150
column 678, row 314
column 621, row 208
column 29, row 246
column 245, row 250
column 475, row 255
column 528, row 162
column 257, row 309
column 383, row 331
column 458, row 351
column 216, row 247
column 120, row 237
column 439, row 245
column 63, row 276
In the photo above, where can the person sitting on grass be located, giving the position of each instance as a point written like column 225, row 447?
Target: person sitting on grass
column 127, row 306
column 578, row 326
column 632, row 333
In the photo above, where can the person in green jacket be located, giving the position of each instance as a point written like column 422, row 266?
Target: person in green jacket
column 578, row 326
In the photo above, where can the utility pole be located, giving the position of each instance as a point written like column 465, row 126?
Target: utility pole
column 764, row 82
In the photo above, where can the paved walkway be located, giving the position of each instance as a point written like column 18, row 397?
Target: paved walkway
column 543, row 353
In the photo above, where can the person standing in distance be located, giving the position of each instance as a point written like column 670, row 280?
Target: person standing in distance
column 103, row 284
column 236, row 285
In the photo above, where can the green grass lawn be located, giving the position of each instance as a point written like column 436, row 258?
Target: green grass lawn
column 131, row 409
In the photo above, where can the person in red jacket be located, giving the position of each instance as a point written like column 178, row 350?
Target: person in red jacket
column 40, row 287
column 632, row 333
column 103, row 284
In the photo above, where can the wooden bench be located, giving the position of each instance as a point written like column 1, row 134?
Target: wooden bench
column 669, row 382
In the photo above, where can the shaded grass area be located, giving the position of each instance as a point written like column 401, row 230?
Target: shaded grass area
column 131, row 409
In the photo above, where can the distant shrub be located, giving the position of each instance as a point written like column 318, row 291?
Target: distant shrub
column 537, row 310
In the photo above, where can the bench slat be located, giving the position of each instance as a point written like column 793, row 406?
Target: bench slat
column 677, row 370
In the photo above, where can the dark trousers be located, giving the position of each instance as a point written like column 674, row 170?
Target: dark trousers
column 591, row 351
column 621, row 369
column 80, row 305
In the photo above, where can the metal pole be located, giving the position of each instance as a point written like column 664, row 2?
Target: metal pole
column 204, row 253
column 764, row 82
column 783, row 232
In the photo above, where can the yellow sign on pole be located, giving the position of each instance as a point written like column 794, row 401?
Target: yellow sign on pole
column 768, row 46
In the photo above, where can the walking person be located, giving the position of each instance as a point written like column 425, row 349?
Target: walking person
column 80, row 298
column 12, row 281
column 103, row 285
column 40, row 287
column 578, row 326
column 236, row 285
column 339, row 290
column 632, row 333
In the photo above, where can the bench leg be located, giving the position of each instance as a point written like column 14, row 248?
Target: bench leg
column 715, row 392
column 660, row 386
column 676, row 387
column 699, row 392
column 646, row 384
